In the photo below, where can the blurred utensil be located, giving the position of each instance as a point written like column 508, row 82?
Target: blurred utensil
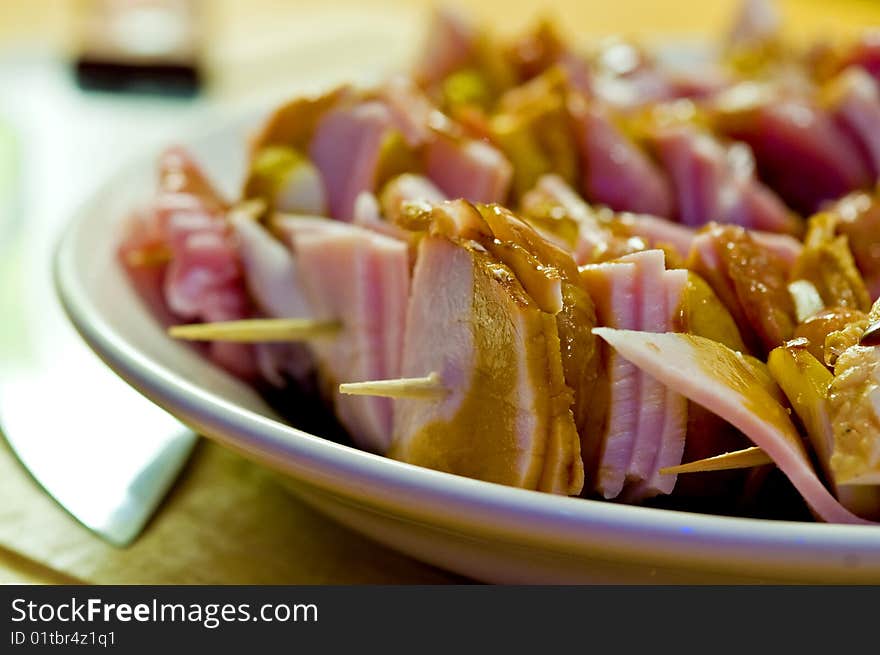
column 101, row 450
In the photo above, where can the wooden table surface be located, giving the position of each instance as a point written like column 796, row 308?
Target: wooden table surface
column 228, row 521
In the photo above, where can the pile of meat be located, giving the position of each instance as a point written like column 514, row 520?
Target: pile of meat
column 608, row 264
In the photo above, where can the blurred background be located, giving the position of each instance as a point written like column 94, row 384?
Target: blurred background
column 209, row 54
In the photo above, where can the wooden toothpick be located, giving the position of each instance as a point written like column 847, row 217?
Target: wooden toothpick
column 426, row 387
column 259, row 330
column 737, row 459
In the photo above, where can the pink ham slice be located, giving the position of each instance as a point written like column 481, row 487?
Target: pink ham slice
column 627, row 77
column 801, row 153
column 361, row 279
column 204, row 279
column 784, row 247
column 594, row 236
column 144, row 235
column 855, row 104
column 205, row 282
column 670, row 450
column 616, row 172
column 651, row 316
column 646, row 424
column 658, row 231
column 292, row 124
column 275, row 285
column 346, row 149
column 288, row 226
column 204, row 275
column 407, row 188
column 412, row 111
column 451, row 41
column 662, row 422
column 368, row 215
column 468, row 168
column 271, row 273
column 551, row 190
column 180, row 174
column 719, row 379
column 714, row 183
column 613, row 288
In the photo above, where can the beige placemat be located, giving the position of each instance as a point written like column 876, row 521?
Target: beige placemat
column 226, row 522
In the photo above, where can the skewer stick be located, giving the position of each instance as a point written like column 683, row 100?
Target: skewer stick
column 144, row 257
column 737, row 459
column 259, row 330
column 251, row 209
column 426, row 387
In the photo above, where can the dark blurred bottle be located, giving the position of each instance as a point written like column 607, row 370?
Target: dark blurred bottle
column 141, row 46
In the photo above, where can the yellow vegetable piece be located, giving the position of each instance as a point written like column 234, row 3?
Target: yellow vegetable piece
column 702, row 313
column 805, row 381
column 269, row 169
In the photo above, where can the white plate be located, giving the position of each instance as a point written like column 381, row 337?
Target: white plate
column 486, row 531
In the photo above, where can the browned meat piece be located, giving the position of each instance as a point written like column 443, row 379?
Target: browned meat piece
column 548, row 276
column 506, row 417
column 859, row 220
column 751, row 280
column 817, row 329
column 827, row 263
column 806, row 383
column 580, row 350
column 855, row 415
column 532, row 128
column 537, row 50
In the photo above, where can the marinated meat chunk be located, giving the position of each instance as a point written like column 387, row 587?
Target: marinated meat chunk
column 751, row 280
column 498, row 355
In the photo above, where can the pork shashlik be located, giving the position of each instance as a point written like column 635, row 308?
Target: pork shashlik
column 687, row 264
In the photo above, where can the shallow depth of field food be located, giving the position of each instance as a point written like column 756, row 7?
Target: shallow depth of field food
column 585, row 269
